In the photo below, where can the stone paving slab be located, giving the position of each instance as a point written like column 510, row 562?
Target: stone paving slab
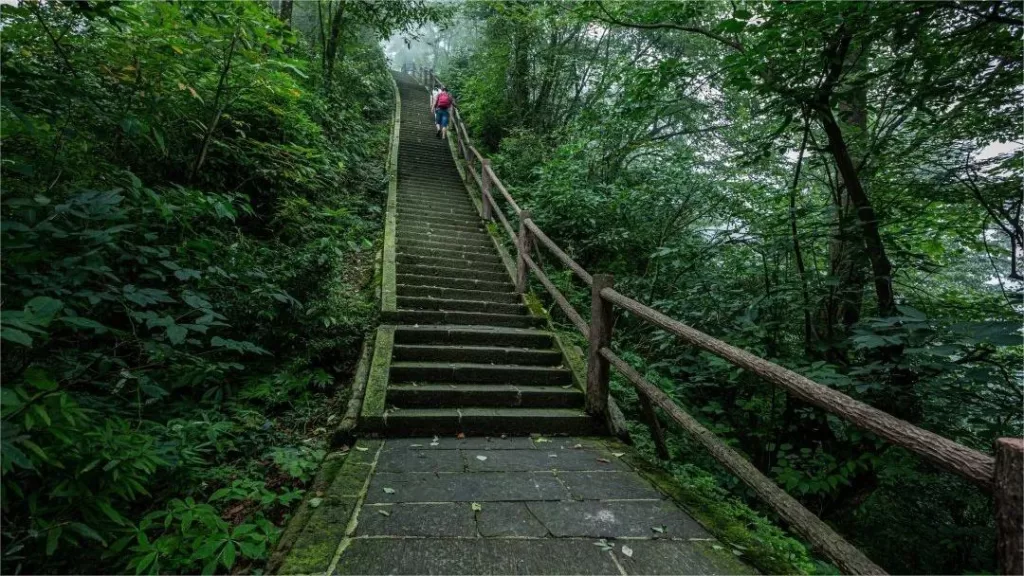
column 671, row 558
column 505, row 519
column 444, row 519
column 421, row 461
column 498, row 556
column 613, row 485
column 465, row 487
column 617, row 519
column 540, row 459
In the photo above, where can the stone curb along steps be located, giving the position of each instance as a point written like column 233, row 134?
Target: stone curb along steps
column 459, row 351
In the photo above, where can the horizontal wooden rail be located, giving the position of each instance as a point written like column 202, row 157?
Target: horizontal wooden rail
column 848, row 558
column 570, row 312
column 954, row 457
column 504, row 192
column 501, row 216
column 562, row 256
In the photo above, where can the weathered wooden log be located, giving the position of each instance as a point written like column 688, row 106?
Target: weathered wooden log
column 1009, row 505
column 801, row 520
column 485, row 190
column 556, row 294
column 344, row 433
column 562, row 256
column 600, row 336
column 651, row 419
column 523, row 244
column 504, row 192
column 950, row 455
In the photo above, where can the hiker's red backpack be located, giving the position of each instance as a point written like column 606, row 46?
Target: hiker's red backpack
column 444, row 100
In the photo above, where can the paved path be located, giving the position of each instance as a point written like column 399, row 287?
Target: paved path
column 479, row 364
column 542, row 505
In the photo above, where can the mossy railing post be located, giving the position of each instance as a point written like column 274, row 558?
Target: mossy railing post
column 600, row 337
column 523, row 243
column 485, row 189
column 1009, row 505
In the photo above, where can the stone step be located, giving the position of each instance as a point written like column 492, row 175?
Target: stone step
column 442, row 228
column 480, row 240
column 477, row 249
column 447, row 272
column 442, row 221
column 402, row 316
column 482, row 395
column 446, row 212
column 473, row 421
column 460, row 263
column 457, row 294
column 473, row 336
column 477, row 354
column 479, row 373
column 451, row 255
column 464, row 283
column 420, row 303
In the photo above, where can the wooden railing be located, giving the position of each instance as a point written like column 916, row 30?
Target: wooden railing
column 1002, row 475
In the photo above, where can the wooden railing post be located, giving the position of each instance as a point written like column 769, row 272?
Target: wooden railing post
column 485, row 189
column 600, row 337
column 523, row 243
column 1009, row 505
column 657, row 434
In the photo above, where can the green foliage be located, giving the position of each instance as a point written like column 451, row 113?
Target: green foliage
column 188, row 228
column 707, row 154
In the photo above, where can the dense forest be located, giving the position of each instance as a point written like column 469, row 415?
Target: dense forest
column 833, row 186
column 192, row 198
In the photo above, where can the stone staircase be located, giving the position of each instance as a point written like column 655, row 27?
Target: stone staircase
column 467, row 355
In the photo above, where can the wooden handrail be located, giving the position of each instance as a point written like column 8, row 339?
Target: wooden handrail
column 570, row 312
column 562, row 256
column 1001, row 474
column 848, row 558
column 950, row 455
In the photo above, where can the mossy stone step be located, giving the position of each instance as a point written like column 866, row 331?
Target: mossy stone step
column 403, row 316
column 420, row 303
column 462, row 283
column 445, row 272
column 458, row 294
column 461, row 263
column 481, row 395
column 484, row 421
column 478, row 249
column 442, row 220
column 474, row 335
column 477, row 354
column 434, row 254
column 459, row 229
column 414, row 210
column 402, row 371
column 454, row 239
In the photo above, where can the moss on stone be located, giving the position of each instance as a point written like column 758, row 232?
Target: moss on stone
column 312, row 559
column 377, row 382
column 389, row 288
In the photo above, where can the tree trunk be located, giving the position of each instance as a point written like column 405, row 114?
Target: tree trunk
column 286, row 12
column 333, row 41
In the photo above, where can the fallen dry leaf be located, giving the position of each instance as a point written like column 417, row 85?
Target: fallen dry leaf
column 618, row 454
column 627, row 551
column 476, row 507
column 604, row 461
column 578, row 446
column 362, row 448
column 658, row 529
column 481, row 458
column 314, row 502
column 383, row 512
column 460, row 435
column 389, row 490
